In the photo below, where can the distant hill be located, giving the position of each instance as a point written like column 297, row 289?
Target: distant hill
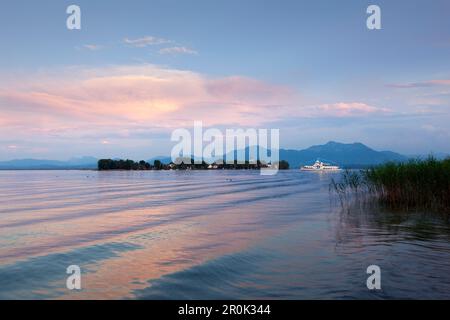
column 163, row 159
column 346, row 155
column 438, row 155
column 36, row 164
column 350, row 155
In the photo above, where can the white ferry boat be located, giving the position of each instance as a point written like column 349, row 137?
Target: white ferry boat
column 320, row 166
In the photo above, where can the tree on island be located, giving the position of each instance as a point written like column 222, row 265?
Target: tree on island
column 283, row 165
column 109, row 164
column 157, row 164
column 183, row 164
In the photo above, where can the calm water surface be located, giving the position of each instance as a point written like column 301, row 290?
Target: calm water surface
column 208, row 235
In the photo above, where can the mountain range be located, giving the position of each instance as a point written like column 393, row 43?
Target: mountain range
column 350, row 155
column 37, row 164
column 342, row 154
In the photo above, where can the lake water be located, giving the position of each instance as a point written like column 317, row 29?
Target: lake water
column 208, row 235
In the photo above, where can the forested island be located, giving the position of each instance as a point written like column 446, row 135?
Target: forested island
column 110, row 164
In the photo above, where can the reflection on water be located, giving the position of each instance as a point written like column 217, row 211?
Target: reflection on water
column 214, row 234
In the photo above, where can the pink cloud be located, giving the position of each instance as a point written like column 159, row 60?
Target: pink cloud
column 343, row 109
column 145, row 41
column 143, row 95
column 129, row 100
column 177, row 50
column 423, row 84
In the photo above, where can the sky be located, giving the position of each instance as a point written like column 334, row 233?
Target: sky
column 137, row 70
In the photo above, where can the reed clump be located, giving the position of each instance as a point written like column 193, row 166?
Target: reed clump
column 416, row 184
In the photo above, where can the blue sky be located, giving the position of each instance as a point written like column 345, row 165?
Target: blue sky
column 310, row 68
